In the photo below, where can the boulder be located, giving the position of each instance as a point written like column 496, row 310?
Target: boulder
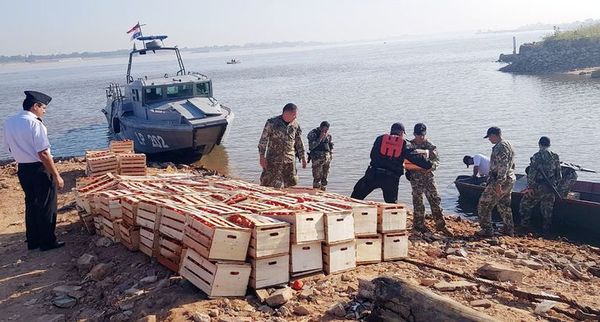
column 499, row 272
column 454, row 285
column 280, row 297
column 100, row 271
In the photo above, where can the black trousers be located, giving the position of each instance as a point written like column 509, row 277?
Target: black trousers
column 376, row 178
column 40, row 204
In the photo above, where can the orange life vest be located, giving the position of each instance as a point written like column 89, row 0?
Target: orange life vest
column 391, row 145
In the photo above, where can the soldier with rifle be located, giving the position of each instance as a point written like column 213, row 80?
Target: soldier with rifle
column 543, row 177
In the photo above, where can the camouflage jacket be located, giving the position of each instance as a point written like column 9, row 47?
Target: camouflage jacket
column 280, row 142
column 433, row 155
column 548, row 162
column 319, row 148
column 502, row 164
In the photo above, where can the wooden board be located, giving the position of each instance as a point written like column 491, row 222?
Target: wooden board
column 270, row 271
column 368, row 250
column 121, row 146
column 169, row 252
column 339, row 258
column 395, row 246
column 306, row 226
column 129, row 235
column 270, row 236
column 172, row 219
column 215, row 279
column 215, row 238
column 306, row 258
column 391, row 218
column 147, row 242
column 220, row 209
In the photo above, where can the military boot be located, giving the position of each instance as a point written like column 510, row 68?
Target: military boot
column 420, row 228
column 485, row 233
column 441, row 227
column 508, row 231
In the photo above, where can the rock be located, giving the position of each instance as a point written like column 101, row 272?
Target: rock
column 578, row 258
column 577, row 273
column 135, row 291
column 148, row 318
column 279, row 297
column 64, row 302
column 451, row 286
column 127, row 306
column 85, row 262
column 306, row 293
column 594, row 270
column 498, row 272
column 301, row 310
column 434, row 252
column 31, row 302
column 200, row 317
column 103, row 242
column 149, row 279
column 164, row 283
column 261, row 295
column 530, row 263
column 510, row 253
column 51, row 318
column 100, row 271
column 337, row 309
column 481, row 303
column 213, row 313
column 121, row 317
column 428, row 281
column 265, row 309
column 351, row 289
column 454, row 258
column 366, row 289
column 65, row 289
column 346, row 278
column 456, row 251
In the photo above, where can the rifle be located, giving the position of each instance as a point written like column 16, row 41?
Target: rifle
column 550, row 184
column 576, row 167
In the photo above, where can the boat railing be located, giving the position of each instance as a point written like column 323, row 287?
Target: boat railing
column 114, row 92
column 199, row 75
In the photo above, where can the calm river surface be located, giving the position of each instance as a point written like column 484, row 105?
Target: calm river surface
column 450, row 84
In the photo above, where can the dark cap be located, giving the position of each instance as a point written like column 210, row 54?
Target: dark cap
column 467, row 159
column 397, row 128
column 420, row 129
column 544, row 141
column 37, row 97
column 494, row 130
column 324, row 124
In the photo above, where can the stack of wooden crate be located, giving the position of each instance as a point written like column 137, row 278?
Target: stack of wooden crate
column 99, row 163
column 391, row 225
column 132, row 164
column 121, row 146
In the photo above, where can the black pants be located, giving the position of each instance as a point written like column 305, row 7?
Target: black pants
column 376, row 178
column 40, row 204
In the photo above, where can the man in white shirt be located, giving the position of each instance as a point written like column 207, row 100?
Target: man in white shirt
column 481, row 164
column 26, row 138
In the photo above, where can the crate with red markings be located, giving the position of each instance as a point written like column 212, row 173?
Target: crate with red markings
column 173, row 219
column 129, row 235
column 121, row 146
column 103, row 164
column 220, row 209
column 148, row 242
column 216, row 279
column 132, row 164
column 338, row 222
column 193, row 199
column 215, row 238
column 148, row 211
column 169, row 252
column 108, row 203
column 270, row 236
column 391, row 218
column 306, row 226
column 256, row 206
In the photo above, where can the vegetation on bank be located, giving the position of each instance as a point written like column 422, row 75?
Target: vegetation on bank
column 592, row 31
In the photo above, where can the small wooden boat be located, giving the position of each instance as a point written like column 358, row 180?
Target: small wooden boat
column 573, row 215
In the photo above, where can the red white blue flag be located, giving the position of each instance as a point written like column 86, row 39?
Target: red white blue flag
column 135, row 31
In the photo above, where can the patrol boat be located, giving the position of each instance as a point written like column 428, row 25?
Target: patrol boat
column 173, row 114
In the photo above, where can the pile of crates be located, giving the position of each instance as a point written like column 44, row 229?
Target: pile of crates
column 118, row 159
column 224, row 235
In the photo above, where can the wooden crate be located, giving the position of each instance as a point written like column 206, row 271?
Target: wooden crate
column 215, row 238
column 98, row 224
column 215, row 278
column 108, row 229
column 100, row 165
column 391, row 218
column 148, row 244
column 220, row 209
column 270, row 236
column 173, row 218
column 129, row 235
column 365, row 216
column 256, row 206
column 129, row 205
column 169, row 252
column 306, row 258
column 338, row 222
column 121, row 146
column 108, row 203
column 193, row 199
column 368, row 250
column 132, row 164
column 148, row 212
column 305, row 226
column 339, row 257
column 395, row 246
column 270, row 271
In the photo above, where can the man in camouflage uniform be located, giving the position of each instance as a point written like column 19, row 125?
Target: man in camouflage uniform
column 544, row 174
column 279, row 144
column 320, row 146
column 569, row 176
column 423, row 182
column 501, row 180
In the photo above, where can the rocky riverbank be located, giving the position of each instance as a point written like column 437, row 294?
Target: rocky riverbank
column 92, row 279
column 553, row 56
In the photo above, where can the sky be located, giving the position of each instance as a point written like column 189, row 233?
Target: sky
column 65, row 26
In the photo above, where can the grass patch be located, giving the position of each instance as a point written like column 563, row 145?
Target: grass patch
column 592, row 31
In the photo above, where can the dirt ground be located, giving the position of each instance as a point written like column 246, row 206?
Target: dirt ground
column 138, row 287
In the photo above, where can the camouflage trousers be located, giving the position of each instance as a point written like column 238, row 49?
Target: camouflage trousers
column 546, row 201
column 320, row 171
column 276, row 174
column 423, row 183
column 489, row 199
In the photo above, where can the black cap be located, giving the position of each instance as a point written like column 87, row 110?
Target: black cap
column 467, row 159
column 494, row 130
column 397, row 128
column 37, row 97
column 544, row 141
column 420, row 129
column 324, row 124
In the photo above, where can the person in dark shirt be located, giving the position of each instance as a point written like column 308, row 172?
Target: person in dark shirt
column 387, row 165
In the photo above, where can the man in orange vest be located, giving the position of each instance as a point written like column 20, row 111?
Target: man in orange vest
column 387, row 165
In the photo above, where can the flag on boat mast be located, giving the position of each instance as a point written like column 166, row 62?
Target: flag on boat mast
column 135, row 31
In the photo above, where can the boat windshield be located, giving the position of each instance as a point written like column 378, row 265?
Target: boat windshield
column 203, row 89
column 152, row 94
column 180, row 91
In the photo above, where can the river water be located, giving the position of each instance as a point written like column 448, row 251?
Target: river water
column 451, row 84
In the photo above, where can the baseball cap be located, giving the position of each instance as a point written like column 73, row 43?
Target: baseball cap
column 420, row 129
column 397, row 128
column 494, row 130
column 544, row 141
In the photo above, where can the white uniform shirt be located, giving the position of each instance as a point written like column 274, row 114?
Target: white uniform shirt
column 483, row 162
column 24, row 136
